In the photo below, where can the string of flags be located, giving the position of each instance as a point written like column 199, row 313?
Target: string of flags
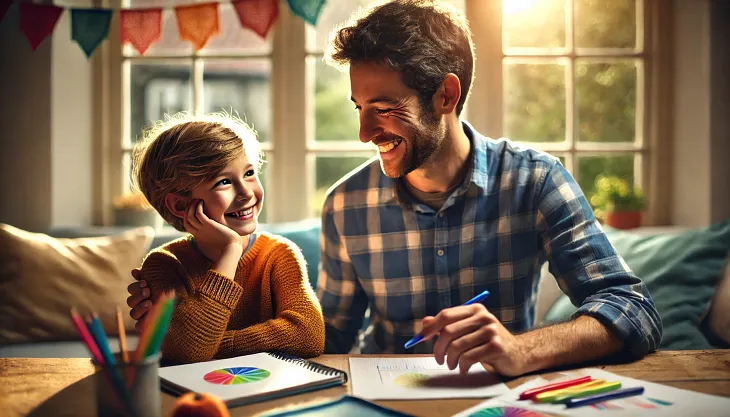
column 142, row 27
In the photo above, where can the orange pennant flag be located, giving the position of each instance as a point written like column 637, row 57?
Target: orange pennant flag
column 141, row 28
column 197, row 23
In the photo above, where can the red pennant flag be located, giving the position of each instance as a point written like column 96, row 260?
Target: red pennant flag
column 197, row 23
column 37, row 21
column 257, row 15
column 4, row 6
column 141, row 28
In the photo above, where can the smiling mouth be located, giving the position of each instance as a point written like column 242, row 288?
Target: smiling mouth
column 241, row 214
column 387, row 147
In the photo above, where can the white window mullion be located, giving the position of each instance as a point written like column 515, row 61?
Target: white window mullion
column 197, row 85
column 288, row 193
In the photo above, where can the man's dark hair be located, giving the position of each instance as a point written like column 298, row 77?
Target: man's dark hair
column 420, row 39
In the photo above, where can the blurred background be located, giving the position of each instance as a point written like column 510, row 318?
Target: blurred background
column 634, row 90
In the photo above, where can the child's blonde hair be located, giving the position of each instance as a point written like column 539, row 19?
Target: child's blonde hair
column 182, row 152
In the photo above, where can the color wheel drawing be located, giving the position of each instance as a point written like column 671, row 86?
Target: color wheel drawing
column 411, row 380
column 234, row 376
column 506, row 412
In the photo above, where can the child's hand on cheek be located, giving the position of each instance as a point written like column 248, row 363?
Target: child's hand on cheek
column 208, row 233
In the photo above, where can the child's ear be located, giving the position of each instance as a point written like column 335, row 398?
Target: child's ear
column 176, row 204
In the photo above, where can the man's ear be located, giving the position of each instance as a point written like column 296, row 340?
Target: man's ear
column 448, row 95
column 177, row 204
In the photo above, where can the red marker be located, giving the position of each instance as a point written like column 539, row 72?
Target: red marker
column 531, row 393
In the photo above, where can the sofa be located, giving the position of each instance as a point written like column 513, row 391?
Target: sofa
column 41, row 276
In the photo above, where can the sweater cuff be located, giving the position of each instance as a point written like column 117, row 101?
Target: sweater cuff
column 221, row 289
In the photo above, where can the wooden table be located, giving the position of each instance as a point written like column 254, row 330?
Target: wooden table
column 62, row 387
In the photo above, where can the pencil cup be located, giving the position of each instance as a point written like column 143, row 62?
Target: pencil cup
column 128, row 389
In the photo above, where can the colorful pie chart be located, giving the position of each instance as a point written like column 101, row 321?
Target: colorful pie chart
column 234, row 376
column 506, row 412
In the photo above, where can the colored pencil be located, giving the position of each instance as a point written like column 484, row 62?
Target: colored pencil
column 549, row 396
column 531, row 393
column 599, row 389
column 147, row 331
column 85, row 335
column 626, row 392
column 160, row 327
column 122, row 337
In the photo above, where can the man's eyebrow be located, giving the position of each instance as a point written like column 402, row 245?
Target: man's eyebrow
column 381, row 99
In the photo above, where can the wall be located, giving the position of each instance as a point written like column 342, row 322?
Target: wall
column 45, row 129
column 701, row 102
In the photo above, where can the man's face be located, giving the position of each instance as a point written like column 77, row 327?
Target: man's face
column 392, row 118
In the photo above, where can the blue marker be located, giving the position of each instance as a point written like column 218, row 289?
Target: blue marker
column 418, row 338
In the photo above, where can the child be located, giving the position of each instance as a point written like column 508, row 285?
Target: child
column 239, row 291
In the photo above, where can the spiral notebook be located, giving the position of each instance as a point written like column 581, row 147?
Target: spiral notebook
column 251, row 378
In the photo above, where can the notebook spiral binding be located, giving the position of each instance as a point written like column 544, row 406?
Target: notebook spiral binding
column 312, row 366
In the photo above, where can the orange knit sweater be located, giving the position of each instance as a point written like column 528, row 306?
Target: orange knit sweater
column 268, row 306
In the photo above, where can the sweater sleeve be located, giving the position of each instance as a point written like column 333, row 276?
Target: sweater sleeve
column 298, row 326
column 201, row 313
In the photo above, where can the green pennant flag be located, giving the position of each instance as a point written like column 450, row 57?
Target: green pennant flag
column 89, row 27
column 307, row 9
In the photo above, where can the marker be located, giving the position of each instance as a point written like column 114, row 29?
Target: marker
column 419, row 337
column 531, row 393
column 626, row 392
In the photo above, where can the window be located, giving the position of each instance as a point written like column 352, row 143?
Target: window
column 564, row 76
column 568, row 78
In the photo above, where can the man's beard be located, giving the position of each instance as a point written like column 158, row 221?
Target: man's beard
column 425, row 140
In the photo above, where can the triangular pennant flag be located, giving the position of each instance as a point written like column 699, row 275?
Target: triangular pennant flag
column 37, row 21
column 4, row 6
column 306, row 9
column 197, row 23
column 89, row 27
column 141, row 28
column 257, row 15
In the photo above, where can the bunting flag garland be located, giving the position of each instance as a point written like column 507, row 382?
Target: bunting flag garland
column 141, row 28
column 37, row 21
column 257, row 15
column 197, row 23
column 306, row 9
column 4, row 6
column 89, row 27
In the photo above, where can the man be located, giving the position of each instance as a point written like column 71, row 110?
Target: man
column 444, row 213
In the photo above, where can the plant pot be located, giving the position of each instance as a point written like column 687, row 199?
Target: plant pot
column 623, row 219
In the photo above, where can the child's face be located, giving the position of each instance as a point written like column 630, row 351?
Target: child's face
column 234, row 198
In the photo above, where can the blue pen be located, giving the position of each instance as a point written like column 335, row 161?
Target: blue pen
column 621, row 393
column 419, row 337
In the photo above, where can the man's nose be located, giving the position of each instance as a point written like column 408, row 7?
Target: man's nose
column 369, row 129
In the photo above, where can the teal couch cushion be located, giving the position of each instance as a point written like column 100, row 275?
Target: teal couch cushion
column 680, row 270
column 304, row 234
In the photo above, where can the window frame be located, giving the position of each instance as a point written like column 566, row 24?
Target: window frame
column 290, row 173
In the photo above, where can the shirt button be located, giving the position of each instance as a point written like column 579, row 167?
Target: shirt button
column 440, row 252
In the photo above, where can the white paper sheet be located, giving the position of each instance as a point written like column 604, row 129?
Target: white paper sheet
column 419, row 378
column 657, row 400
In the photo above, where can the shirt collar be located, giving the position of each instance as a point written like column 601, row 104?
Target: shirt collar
column 477, row 174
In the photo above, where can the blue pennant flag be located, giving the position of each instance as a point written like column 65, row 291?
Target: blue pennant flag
column 89, row 27
column 307, row 9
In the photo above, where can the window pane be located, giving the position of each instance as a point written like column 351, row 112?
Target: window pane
column 533, row 23
column 605, row 24
column 170, row 42
column 234, row 38
column 335, row 115
column 329, row 169
column 156, row 90
column 534, row 102
column 241, row 86
column 606, row 101
column 589, row 167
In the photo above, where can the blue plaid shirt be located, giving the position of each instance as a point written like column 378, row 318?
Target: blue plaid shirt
column 515, row 209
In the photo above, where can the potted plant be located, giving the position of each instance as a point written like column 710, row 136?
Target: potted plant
column 132, row 209
column 617, row 202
